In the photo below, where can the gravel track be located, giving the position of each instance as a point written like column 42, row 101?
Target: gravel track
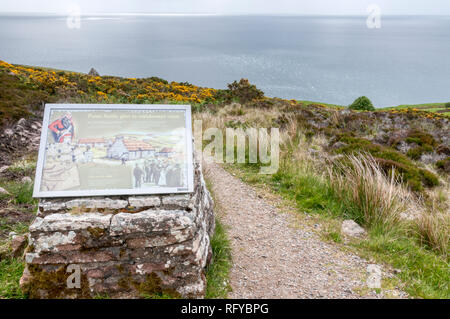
column 274, row 259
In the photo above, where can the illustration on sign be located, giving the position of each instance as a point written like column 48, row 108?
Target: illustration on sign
column 89, row 150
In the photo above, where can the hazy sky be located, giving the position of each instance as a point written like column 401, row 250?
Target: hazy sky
column 329, row 7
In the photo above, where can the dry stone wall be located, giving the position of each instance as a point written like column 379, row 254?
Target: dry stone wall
column 121, row 247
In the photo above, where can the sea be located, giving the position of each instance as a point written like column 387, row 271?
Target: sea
column 330, row 59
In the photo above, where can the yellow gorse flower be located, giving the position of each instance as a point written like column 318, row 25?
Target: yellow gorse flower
column 111, row 88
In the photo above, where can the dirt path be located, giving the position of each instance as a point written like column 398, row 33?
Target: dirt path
column 274, row 259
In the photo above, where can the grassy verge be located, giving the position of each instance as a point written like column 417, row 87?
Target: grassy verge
column 10, row 272
column 17, row 210
column 217, row 273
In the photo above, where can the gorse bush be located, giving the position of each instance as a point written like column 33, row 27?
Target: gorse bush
column 27, row 86
column 243, row 91
column 362, row 104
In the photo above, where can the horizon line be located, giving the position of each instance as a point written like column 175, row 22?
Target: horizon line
column 210, row 14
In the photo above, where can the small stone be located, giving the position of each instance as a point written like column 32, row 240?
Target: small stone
column 3, row 168
column 9, row 132
column 18, row 245
column 93, row 72
column 397, row 271
column 12, row 234
column 374, row 279
column 25, row 279
column 26, row 179
column 3, row 191
column 352, row 229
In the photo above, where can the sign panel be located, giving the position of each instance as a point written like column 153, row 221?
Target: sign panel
column 109, row 149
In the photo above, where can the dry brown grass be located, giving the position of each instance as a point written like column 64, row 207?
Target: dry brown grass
column 372, row 197
column 434, row 231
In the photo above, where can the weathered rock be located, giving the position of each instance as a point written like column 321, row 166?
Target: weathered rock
column 19, row 140
column 18, row 245
column 176, row 200
column 26, row 179
column 352, row 229
column 144, row 201
column 431, row 158
column 149, row 221
column 3, row 191
column 3, row 168
column 67, row 222
column 124, row 246
column 93, row 203
column 49, row 206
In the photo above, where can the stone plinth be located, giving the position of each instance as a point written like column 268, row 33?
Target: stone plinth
column 123, row 247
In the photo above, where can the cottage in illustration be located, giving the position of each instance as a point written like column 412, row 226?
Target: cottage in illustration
column 93, row 142
column 129, row 149
column 166, row 152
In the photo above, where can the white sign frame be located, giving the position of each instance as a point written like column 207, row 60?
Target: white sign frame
column 37, row 193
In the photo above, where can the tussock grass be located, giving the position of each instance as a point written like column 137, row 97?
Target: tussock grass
column 370, row 197
column 433, row 230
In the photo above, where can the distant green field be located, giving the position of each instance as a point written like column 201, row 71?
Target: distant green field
column 333, row 106
column 428, row 107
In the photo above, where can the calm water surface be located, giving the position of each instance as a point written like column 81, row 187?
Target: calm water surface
column 327, row 59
